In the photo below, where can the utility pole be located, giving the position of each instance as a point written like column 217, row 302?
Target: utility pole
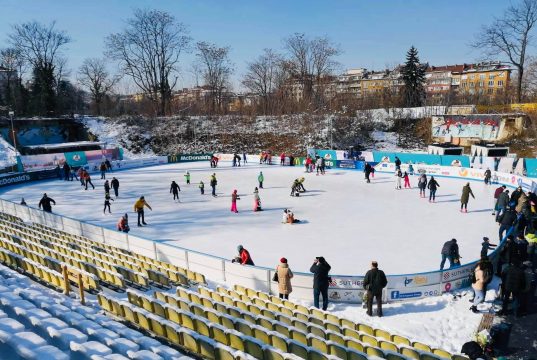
column 11, row 115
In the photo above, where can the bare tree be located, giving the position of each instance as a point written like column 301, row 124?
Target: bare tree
column 510, row 35
column 94, row 76
column 263, row 76
column 148, row 50
column 12, row 60
column 41, row 46
column 216, row 70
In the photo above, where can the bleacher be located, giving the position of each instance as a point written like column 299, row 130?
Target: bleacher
column 175, row 307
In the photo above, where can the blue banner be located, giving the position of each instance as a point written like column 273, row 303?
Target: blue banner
column 76, row 158
column 531, row 167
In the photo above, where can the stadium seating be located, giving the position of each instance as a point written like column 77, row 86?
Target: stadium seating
column 39, row 323
column 238, row 323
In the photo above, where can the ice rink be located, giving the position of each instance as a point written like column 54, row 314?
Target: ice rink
column 344, row 219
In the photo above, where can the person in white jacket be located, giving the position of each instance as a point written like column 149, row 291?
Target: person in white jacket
column 398, row 177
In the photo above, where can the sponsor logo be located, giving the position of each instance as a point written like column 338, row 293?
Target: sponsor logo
column 385, row 159
column 328, row 156
column 76, row 157
column 463, row 172
column 400, row 295
column 455, row 163
column 14, row 179
column 417, row 280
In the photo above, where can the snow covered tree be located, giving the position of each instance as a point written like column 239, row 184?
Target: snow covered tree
column 414, row 77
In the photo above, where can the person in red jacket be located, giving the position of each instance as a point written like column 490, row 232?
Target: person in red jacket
column 234, row 198
column 497, row 193
column 245, row 258
column 282, row 159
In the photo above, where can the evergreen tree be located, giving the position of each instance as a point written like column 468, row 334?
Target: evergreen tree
column 414, row 78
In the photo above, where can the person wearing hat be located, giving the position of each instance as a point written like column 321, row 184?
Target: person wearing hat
column 284, row 276
column 450, row 251
column 497, row 194
column 123, row 224
column 486, row 246
column 503, row 203
column 139, row 209
column 257, row 200
column 244, row 256
column 45, row 203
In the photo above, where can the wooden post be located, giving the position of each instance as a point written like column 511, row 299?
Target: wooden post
column 66, row 279
column 81, row 289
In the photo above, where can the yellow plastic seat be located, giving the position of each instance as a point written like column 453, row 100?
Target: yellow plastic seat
column 386, row 345
column 219, row 334
column 235, row 341
column 265, row 323
column 207, row 349
column 337, row 350
column 253, row 348
column 429, row 356
column 299, row 337
column 173, row 335
column 190, row 340
column 202, row 327
column 319, row 344
column 369, row 340
column 298, row 349
column 158, row 309
column 244, row 328
column 279, row 342
column 157, row 326
column 337, row 338
column 262, row 335
column 143, row 321
column 224, row 353
column 354, row 345
column 410, row 353
column 442, row 353
column 282, row 329
column 270, row 354
column 373, row 351
column 356, row 355
column 383, row 334
column 400, row 340
column 314, row 354
column 394, row 356
column 351, row 333
column 317, row 331
column 421, row 346
column 366, row 329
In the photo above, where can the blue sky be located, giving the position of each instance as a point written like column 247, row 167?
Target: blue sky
column 372, row 33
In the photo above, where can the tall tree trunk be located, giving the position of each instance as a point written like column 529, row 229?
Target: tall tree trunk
column 519, row 85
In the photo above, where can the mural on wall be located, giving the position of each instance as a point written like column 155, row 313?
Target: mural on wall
column 485, row 127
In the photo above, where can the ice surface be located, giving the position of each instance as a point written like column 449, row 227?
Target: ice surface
column 345, row 220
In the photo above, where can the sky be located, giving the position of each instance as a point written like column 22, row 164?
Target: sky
column 373, row 34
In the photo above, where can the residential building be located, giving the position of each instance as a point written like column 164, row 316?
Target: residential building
column 441, row 81
column 349, row 83
column 487, row 78
column 376, row 82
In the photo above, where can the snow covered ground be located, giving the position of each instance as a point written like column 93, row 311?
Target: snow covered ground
column 344, row 219
column 8, row 155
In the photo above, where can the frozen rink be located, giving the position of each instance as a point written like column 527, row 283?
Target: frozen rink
column 345, row 220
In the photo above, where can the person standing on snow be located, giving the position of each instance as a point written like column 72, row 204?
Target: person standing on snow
column 213, row 183
column 465, row 197
column 432, row 186
column 107, row 200
column 174, row 189
column 488, row 176
column 45, row 203
column 115, row 186
column 106, row 187
column 478, row 285
column 398, row 177
column 367, row 171
column 187, row 177
column 260, row 179
column 139, row 209
column 257, row 200
column 407, row 180
column 320, row 270
column 374, row 281
column 284, row 276
column 102, row 168
column 234, row 198
column 202, row 187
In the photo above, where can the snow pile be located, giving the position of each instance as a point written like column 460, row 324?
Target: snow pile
column 8, row 156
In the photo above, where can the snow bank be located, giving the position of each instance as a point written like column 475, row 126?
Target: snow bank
column 8, row 156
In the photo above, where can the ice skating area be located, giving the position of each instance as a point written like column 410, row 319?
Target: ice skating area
column 342, row 218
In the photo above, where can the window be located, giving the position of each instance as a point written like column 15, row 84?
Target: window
column 464, row 77
column 472, row 77
column 490, row 91
column 482, row 76
column 500, row 83
column 491, row 82
column 472, row 84
column 481, row 83
column 491, row 77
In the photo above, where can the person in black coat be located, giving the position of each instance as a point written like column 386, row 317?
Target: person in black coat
column 367, row 171
column 374, row 282
column 486, row 246
column 508, row 254
column 66, row 171
column 174, row 189
column 513, row 282
column 432, row 185
column 320, row 270
column 516, row 195
column 506, row 220
column 450, row 251
column 115, row 186
column 397, row 163
column 45, row 203
column 106, row 187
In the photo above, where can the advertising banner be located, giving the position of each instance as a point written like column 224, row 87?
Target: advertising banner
column 401, row 294
column 175, row 158
column 484, row 126
column 43, row 161
column 347, row 164
column 455, row 160
column 14, row 179
column 101, row 155
column 531, row 168
column 76, row 158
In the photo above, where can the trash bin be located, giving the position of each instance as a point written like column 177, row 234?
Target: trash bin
column 500, row 334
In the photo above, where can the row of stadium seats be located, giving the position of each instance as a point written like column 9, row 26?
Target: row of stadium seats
column 37, row 323
column 115, row 268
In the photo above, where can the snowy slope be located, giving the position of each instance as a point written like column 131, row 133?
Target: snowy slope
column 8, row 155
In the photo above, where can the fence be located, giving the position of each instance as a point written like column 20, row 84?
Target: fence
column 342, row 288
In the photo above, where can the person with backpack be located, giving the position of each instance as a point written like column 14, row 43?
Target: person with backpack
column 374, row 281
column 432, row 186
column 320, row 270
column 478, row 283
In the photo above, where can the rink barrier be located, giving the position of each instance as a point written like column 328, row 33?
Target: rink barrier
column 343, row 288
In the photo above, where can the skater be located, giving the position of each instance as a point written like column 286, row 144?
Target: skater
column 367, row 171
column 294, row 188
column 407, row 180
column 478, row 285
column 107, row 200
column 123, row 224
column 397, row 163
column 308, row 164
column 23, row 202
column 244, row 159
column 374, row 282
column 488, row 176
column 373, row 172
column 72, row 174
column 108, row 165
column 260, row 179
column 282, row 159
column 497, row 194
column 323, row 166
column 465, row 197
column 174, row 189
column 45, row 203
column 244, row 257
column 283, row 276
column 257, row 200
column 187, row 177
column 106, row 187
column 234, row 160
column 422, row 184
column 486, row 246
column 432, row 186
column 202, row 187
column 234, row 198
column 320, row 270
column 102, row 168
column 318, row 164
column 503, row 203
column 411, row 169
column 300, row 185
column 115, row 186
column 213, row 183
column 139, row 209
column 289, row 217
column 87, row 180
column 81, row 175
column 238, row 159
column 66, row 171
column 398, row 176
column 450, row 251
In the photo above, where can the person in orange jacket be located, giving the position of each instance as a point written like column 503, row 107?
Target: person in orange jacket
column 139, row 209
